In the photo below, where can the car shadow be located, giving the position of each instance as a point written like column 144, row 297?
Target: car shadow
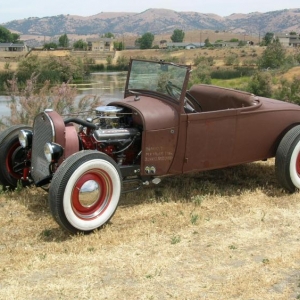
column 230, row 181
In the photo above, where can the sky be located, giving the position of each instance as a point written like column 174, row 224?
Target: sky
column 21, row 9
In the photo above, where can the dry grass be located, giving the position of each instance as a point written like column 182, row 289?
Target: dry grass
column 12, row 65
column 226, row 234
column 188, row 56
column 294, row 72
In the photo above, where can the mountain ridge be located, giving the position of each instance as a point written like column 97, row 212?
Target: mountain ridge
column 158, row 21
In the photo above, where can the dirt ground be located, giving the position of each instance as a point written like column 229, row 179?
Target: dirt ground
column 227, row 234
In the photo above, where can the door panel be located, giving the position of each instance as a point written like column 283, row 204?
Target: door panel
column 210, row 140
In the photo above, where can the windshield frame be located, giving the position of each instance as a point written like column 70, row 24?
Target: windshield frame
column 159, row 79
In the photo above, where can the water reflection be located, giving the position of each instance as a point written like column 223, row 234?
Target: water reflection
column 4, row 107
column 108, row 85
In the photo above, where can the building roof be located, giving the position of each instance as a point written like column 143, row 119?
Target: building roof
column 99, row 39
column 185, row 44
column 6, row 45
column 287, row 36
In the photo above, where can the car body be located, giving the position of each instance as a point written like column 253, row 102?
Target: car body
column 160, row 128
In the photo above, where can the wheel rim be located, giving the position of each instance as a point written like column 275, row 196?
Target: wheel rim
column 13, row 152
column 298, row 164
column 294, row 167
column 91, row 194
column 87, row 215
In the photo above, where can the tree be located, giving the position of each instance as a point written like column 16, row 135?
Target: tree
column 268, row 38
column 145, row 42
column 109, row 60
column 273, row 57
column 119, row 46
column 15, row 37
column 177, row 36
column 207, row 43
column 63, row 41
column 80, row 44
column 49, row 46
column 7, row 37
column 108, row 35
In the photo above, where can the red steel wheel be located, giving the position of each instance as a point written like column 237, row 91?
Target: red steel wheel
column 85, row 191
column 11, row 154
column 287, row 163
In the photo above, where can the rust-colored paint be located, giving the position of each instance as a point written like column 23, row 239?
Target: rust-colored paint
column 59, row 127
column 159, row 140
column 71, row 141
column 233, row 127
column 66, row 136
column 156, row 114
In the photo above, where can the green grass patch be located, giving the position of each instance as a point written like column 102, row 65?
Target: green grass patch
column 240, row 83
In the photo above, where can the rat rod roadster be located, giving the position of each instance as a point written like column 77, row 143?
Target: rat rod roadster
column 160, row 128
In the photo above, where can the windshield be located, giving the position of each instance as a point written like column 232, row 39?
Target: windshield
column 160, row 77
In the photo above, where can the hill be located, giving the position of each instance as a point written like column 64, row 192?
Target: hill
column 157, row 21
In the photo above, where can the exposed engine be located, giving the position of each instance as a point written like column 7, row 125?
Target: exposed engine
column 116, row 135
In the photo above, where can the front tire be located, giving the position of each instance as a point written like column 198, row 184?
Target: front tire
column 287, row 163
column 11, row 153
column 85, row 191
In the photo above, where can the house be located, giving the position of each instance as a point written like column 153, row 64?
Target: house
column 226, row 44
column 288, row 40
column 182, row 45
column 100, row 44
column 13, row 47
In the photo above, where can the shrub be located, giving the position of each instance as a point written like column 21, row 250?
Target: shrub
column 289, row 90
column 203, row 60
column 231, row 59
column 26, row 103
column 201, row 75
column 4, row 76
column 297, row 56
column 96, row 68
column 232, row 73
column 56, row 69
column 122, row 63
column 261, row 84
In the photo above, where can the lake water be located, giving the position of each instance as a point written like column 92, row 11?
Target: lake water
column 108, row 85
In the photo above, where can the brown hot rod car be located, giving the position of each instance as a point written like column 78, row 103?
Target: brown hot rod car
column 160, row 128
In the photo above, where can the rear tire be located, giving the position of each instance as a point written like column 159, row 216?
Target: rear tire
column 287, row 163
column 11, row 152
column 85, row 191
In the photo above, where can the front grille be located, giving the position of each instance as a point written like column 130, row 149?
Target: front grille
column 43, row 132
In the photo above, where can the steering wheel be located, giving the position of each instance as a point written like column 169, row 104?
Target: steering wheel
column 173, row 90
column 191, row 105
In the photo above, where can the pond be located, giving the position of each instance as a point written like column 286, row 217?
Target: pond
column 108, row 85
